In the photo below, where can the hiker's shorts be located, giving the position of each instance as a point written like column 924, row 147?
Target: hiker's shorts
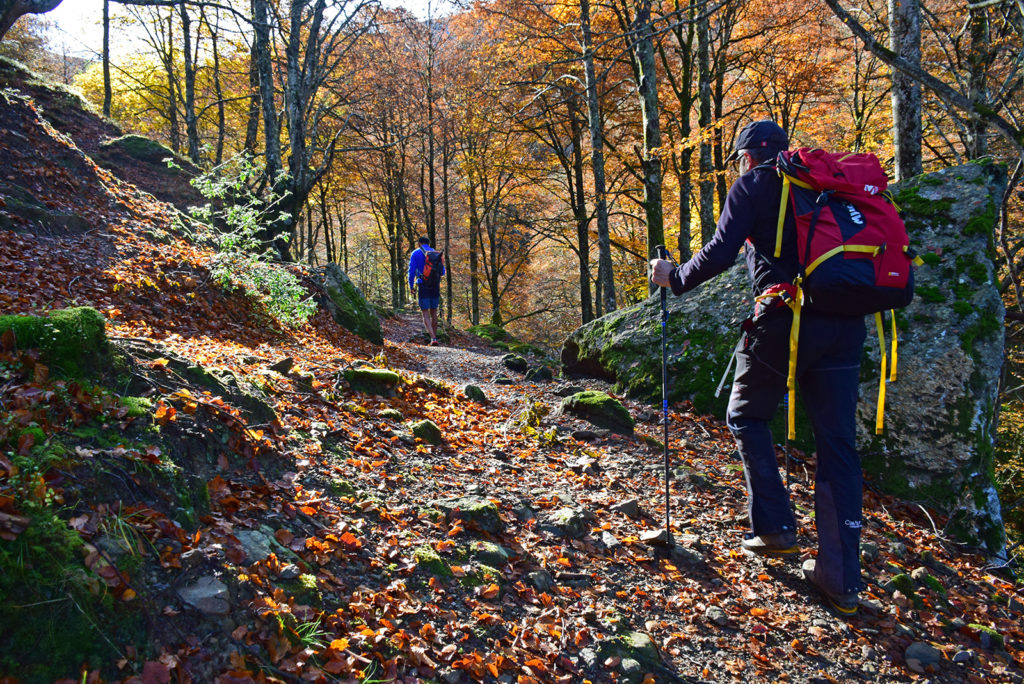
column 427, row 303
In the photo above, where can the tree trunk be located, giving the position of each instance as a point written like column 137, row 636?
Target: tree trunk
column 447, row 227
column 474, row 263
column 191, row 122
column 605, row 273
column 647, row 89
column 265, row 68
column 905, row 41
column 218, row 92
column 252, row 122
column 978, row 61
column 706, row 167
column 579, row 207
column 107, row 90
column 172, row 91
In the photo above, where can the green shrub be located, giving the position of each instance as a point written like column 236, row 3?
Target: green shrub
column 242, row 259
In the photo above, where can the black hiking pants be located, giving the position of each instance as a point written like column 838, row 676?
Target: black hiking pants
column 828, row 366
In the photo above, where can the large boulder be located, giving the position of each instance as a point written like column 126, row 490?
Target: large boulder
column 349, row 307
column 937, row 446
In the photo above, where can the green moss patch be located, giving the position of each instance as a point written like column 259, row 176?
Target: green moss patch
column 372, row 380
column 72, row 341
column 428, row 560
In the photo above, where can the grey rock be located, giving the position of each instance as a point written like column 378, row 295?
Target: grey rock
column 256, row 544
column 609, row 540
column 630, row 668
column 539, row 374
column 716, row 615
column 920, row 655
column 283, row 366
column 474, row 393
column 963, row 657
column 584, row 435
column 950, row 354
column 568, row 390
column 630, row 508
column 515, row 362
column 390, row 414
column 681, row 555
column 957, row 623
column 898, row 549
column 290, row 572
column 208, row 595
column 586, row 464
column 501, row 379
column 588, row 657
column 525, row 513
column 541, row 580
column 868, row 552
column 573, row 522
column 654, row 537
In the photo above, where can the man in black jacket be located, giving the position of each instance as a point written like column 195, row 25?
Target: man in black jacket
column 828, row 361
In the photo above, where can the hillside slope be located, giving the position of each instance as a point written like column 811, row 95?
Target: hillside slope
column 216, row 498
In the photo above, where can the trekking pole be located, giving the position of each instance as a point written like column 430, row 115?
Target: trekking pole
column 785, row 447
column 663, row 254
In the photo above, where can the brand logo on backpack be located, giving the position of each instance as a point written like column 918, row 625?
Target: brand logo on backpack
column 855, row 215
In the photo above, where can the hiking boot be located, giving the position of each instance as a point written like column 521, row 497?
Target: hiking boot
column 780, row 544
column 433, row 343
column 844, row 605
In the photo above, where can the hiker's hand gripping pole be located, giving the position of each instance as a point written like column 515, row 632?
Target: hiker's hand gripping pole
column 663, row 254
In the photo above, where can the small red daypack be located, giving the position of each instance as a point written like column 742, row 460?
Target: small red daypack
column 433, row 266
column 852, row 248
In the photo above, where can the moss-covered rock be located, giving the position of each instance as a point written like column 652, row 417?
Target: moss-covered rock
column 635, row 646
column 428, row 431
column 428, row 560
column 474, row 393
column 474, row 512
column 349, row 307
column 372, row 380
column 72, row 341
column 937, row 447
column 600, row 409
column 142, row 148
column 539, row 374
column 489, row 332
column 390, row 414
column 488, row 553
column 515, row 362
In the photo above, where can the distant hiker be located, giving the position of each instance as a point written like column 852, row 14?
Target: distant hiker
column 426, row 266
column 828, row 365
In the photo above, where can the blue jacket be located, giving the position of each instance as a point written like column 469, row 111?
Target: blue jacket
column 750, row 216
column 416, row 262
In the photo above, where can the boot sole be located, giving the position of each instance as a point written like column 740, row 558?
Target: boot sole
column 773, row 552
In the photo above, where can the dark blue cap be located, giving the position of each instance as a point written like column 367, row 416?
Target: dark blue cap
column 766, row 134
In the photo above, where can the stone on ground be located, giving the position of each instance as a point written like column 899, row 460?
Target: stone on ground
column 600, row 409
column 428, row 431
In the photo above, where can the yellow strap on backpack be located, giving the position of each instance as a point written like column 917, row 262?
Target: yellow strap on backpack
column 881, row 382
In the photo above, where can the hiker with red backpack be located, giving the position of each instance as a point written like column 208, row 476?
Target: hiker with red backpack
column 426, row 266
column 800, row 335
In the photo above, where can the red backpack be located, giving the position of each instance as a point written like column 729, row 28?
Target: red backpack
column 433, row 266
column 852, row 247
